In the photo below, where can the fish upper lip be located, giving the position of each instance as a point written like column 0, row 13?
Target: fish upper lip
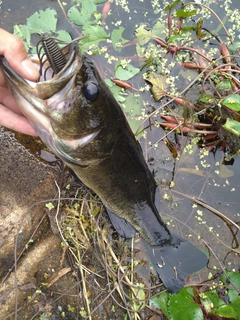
column 40, row 89
column 33, row 94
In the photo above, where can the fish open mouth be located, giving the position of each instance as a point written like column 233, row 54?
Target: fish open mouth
column 48, row 102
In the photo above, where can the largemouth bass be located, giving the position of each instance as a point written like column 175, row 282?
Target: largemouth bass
column 78, row 118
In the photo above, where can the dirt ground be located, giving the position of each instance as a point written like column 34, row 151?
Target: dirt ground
column 24, row 227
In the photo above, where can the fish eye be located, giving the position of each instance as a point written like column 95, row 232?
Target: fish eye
column 91, row 91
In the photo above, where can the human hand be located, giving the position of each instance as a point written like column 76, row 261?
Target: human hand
column 13, row 49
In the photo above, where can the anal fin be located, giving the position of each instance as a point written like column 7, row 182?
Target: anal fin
column 123, row 228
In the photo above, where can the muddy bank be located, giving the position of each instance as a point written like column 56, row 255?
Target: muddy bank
column 23, row 221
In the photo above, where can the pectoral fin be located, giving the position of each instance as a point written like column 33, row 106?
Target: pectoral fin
column 123, row 228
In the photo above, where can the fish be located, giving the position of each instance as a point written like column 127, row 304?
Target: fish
column 77, row 117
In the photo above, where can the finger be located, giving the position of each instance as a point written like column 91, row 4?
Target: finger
column 14, row 51
column 8, row 101
column 15, row 122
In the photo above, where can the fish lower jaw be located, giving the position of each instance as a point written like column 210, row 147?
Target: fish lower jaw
column 75, row 144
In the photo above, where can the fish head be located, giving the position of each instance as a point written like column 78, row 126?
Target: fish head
column 67, row 110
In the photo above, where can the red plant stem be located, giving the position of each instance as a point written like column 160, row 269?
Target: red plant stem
column 185, row 129
column 213, row 70
column 162, row 43
column 196, row 51
column 184, row 102
column 191, row 65
column 105, row 11
column 171, row 119
column 225, row 53
column 169, row 24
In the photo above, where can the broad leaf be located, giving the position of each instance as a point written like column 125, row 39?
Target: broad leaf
column 159, row 85
column 161, row 302
column 143, row 35
column 117, row 39
column 227, row 312
column 232, row 126
column 22, row 31
column 42, row 21
column 232, row 102
column 125, row 71
column 181, row 305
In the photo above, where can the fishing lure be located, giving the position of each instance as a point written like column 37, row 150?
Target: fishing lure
column 49, row 51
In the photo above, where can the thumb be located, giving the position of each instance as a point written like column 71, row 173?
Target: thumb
column 14, row 51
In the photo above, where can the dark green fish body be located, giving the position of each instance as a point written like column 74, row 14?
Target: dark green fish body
column 76, row 115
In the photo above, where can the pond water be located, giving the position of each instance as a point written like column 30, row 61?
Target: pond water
column 203, row 200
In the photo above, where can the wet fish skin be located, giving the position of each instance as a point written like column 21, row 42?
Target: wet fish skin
column 84, row 125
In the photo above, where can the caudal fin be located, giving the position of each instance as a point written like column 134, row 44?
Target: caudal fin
column 175, row 261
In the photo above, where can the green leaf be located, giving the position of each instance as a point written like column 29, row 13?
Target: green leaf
column 176, row 38
column 182, row 14
column 43, row 317
column 93, row 1
column 159, row 85
column 182, row 304
column 98, row 1
column 224, row 85
column 116, row 91
column 171, row 6
column 117, row 39
column 49, row 205
column 189, row 28
column 125, row 71
column 133, row 108
column 211, row 301
column 42, row 21
column 159, row 28
column 22, row 31
column 63, row 35
column 161, row 302
column 226, row 312
column 236, row 306
column 232, row 126
column 133, row 104
column 94, row 34
column 233, row 47
column 139, row 292
column 233, row 294
column 86, row 15
column 234, row 278
column 207, row 98
column 232, row 102
column 76, row 16
column 143, row 35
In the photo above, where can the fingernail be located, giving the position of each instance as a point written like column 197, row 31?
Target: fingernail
column 28, row 66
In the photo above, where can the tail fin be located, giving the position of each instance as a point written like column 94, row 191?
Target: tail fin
column 175, row 261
